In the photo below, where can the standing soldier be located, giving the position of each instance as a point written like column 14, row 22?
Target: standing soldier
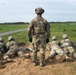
column 39, row 34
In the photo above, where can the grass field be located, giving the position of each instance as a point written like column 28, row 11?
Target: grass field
column 10, row 27
column 58, row 29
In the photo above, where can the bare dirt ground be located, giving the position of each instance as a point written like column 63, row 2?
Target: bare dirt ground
column 22, row 66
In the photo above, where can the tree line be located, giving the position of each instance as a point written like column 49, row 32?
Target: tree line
column 6, row 23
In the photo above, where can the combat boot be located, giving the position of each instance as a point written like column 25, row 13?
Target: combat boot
column 42, row 59
column 74, row 55
column 48, row 58
column 35, row 63
column 42, row 63
column 69, row 59
column 9, row 60
column 34, row 58
column 6, row 57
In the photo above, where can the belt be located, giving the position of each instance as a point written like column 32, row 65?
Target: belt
column 39, row 33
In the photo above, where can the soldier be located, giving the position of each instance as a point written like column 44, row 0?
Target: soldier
column 39, row 34
column 56, row 49
column 67, row 45
column 2, row 46
column 13, row 49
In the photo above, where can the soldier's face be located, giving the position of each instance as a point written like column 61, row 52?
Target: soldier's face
column 39, row 14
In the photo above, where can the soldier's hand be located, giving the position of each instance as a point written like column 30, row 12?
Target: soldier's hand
column 47, row 40
column 30, row 39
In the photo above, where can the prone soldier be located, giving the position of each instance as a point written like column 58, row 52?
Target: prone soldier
column 56, row 49
column 68, row 46
column 13, row 49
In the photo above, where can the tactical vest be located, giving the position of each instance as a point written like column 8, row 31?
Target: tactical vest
column 39, row 27
column 66, row 43
column 54, row 43
column 12, row 44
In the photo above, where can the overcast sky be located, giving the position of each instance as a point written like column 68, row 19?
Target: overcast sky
column 23, row 10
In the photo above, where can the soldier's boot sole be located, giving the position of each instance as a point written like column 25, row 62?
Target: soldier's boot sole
column 69, row 59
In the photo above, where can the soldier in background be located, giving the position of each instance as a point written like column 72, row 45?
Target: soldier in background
column 39, row 34
column 56, row 49
column 13, row 50
column 67, row 46
column 2, row 47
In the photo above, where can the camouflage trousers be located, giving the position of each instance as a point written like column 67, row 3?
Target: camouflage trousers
column 16, row 51
column 56, row 50
column 24, row 52
column 39, row 44
column 69, row 50
column 11, row 52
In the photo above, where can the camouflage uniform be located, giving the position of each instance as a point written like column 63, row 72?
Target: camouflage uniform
column 39, row 32
column 13, row 49
column 24, row 52
column 2, row 47
column 67, row 45
column 56, row 49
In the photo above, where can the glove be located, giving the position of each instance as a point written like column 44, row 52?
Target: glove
column 47, row 40
column 30, row 39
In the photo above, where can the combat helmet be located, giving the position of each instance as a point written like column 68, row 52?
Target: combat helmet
column 1, row 40
column 65, row 36
column 10, row 38
column 54, row 38
column 39, row 10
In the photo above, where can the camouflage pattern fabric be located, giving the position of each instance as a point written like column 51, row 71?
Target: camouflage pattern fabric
column 67, row 46
column 2, row 47
column 39, row 30
column 24, row 52
column 55, row 49
column 12, row 48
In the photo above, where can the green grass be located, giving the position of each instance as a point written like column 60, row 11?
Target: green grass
column 5, row 28
column 57, row 29
column 19, row 37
